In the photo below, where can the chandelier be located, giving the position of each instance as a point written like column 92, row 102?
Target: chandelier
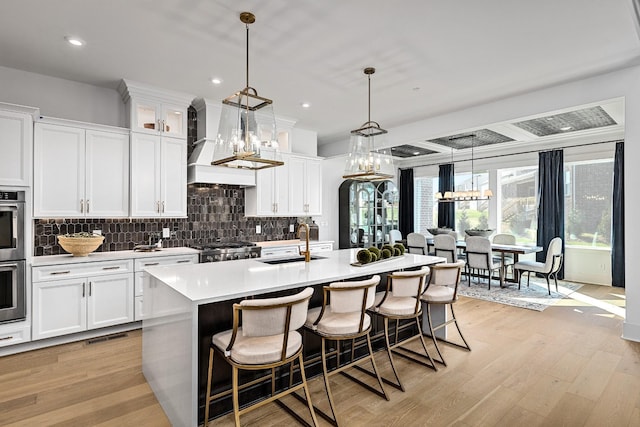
column 247, row 124
column 365, row 162
column 470, row 195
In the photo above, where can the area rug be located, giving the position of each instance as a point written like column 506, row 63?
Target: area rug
column 535, row 297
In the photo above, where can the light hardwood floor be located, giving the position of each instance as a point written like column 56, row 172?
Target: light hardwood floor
column 566, row 366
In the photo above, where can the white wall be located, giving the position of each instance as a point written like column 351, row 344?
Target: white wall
column 62, row 98
column 332, row 170
column 623, row 83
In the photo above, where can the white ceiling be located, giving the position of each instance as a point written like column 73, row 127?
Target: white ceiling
column 431, row 56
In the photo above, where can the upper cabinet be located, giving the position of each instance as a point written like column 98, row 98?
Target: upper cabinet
column 80, row 171
column 305, row 188
column 16, row 136
column 154, row 111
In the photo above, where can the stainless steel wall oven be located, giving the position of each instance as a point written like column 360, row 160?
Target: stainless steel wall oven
column 12, row 256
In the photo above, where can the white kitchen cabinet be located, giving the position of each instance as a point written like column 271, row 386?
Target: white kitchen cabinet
column 80, row 172
column 77, row 297
column 305, row 186
column 15, row 333
column 16, row 136
column 140, row 265
column 158, row 176
column 270, row 196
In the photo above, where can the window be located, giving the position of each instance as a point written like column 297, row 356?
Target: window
column 472, row 214
column 588, row 203
column 426, row 207
column 518, row 189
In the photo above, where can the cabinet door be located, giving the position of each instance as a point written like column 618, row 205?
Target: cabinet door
column 145, row 175
column 313, row 187
column 259, row 200
column 59, row 308
column 297, row 186
column 107, row 174
column 145, row 115
column 174, row 120
column 173, row 177
column 15, row 145
column 59, row 171
column 281, row 196
column 110, row 300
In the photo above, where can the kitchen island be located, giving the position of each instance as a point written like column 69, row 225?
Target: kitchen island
column 187, row 304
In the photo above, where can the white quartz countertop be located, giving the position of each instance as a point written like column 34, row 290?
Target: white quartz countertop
column 108, row 256
column 222, row 281
column 294, row 242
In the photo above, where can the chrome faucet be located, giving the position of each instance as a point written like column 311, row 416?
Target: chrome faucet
column 307, row 252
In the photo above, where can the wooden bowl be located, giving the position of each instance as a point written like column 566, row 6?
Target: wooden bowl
column 80, row 246
column 481, row 233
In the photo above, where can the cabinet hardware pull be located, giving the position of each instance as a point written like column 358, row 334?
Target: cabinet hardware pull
column 183, row 261
column 158, row 206
column 151, row 263
column 81, row 205
column 60, row 272
column 163, row 206
column 159, row 124
column 115, row 267
column 87, row 205
column 164, row 126
column 6, row 338
column 83, row 289
column 90, row 288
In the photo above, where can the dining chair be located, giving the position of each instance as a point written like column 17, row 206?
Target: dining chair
column 480, row 258
column 417, row 243
column 400, row 302
column 445, row 246
column 343, row 318
column 443, row 289
column 267, row 339
column 508, row 260
column 549, row 268
column 394, row 236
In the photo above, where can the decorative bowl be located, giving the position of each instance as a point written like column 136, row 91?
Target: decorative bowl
column 476, row 232
column 435, row 231
column 80, row 244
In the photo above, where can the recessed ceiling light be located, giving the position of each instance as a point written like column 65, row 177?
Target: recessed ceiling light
column 549, row 118
column 566, row 128
column 305, row 105
column 415, row 153
column 74, row 41
column 216, row 80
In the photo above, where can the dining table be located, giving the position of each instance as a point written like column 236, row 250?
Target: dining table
column 515, row 250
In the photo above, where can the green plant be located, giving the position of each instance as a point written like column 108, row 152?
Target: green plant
column 401, row 247
column 386, row 253
column 363, row 256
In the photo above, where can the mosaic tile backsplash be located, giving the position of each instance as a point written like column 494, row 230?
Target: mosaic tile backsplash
column 214, row 213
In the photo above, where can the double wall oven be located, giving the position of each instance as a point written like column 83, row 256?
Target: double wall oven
column 12, row 256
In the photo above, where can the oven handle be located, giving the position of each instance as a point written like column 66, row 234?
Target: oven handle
column 2, row 265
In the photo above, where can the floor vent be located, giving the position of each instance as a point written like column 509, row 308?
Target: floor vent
column 106, row 338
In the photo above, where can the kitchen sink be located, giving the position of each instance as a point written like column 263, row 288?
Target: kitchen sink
column 288, row 260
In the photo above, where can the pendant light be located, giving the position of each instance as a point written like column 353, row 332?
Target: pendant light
column 247, row 124
column 365, row 162
column 461, row 196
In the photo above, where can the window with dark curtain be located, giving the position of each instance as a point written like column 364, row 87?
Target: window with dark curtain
column 550, row 201
column 617, row 235
column 406, row 202
column 446, row 210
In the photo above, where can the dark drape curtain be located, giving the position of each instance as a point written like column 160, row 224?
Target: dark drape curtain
column 617, row 235
column 446, row 211
column 550, row 201
column 406, row 202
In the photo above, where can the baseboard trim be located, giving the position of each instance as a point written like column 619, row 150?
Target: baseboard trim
column 631, row 331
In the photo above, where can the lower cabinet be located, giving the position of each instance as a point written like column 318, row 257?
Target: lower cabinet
column 81, row 302
column 15, row 333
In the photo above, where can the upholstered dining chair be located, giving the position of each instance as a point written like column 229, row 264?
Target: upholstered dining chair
column 549, row 268
column 267, row 339
column 417, row 243
column 480, row 258
column 505, row 239
column 444, row 245
column 443, row 289
column 394, row 236
column 399, row 302
column 343, row 318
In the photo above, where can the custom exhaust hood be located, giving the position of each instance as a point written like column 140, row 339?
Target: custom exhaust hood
column 199, row 168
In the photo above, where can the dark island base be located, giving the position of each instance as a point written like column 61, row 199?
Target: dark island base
column 217, row 317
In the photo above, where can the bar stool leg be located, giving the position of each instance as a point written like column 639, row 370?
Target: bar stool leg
column 208, row 395
column 453, row 315
column 236, row 401
column 375, row 369
column 393, row 365
column 306, row 390
column 325, row 372
column 433, row 336
column 424, row 345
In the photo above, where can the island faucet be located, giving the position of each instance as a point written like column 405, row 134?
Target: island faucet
column 307, row 252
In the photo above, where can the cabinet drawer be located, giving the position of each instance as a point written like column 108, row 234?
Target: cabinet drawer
column 67, row 271
column 142, row 263
column 14, row 334
column 322, row 247
column 279, row 251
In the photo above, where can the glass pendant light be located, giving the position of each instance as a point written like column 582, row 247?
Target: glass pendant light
column 365, row 162
column 247, row 124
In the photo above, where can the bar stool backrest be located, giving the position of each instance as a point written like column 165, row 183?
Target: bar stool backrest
column 447, row 275
column 274, row 316
column 348, row 297
column 409, row 283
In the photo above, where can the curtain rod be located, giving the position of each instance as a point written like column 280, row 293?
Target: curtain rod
column 519, row 152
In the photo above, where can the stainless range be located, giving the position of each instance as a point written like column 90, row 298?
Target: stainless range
column 226, row 251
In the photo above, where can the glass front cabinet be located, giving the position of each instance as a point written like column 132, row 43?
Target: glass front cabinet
column 368, row 211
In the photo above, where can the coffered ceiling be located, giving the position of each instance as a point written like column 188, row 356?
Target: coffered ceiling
column 431, row 57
